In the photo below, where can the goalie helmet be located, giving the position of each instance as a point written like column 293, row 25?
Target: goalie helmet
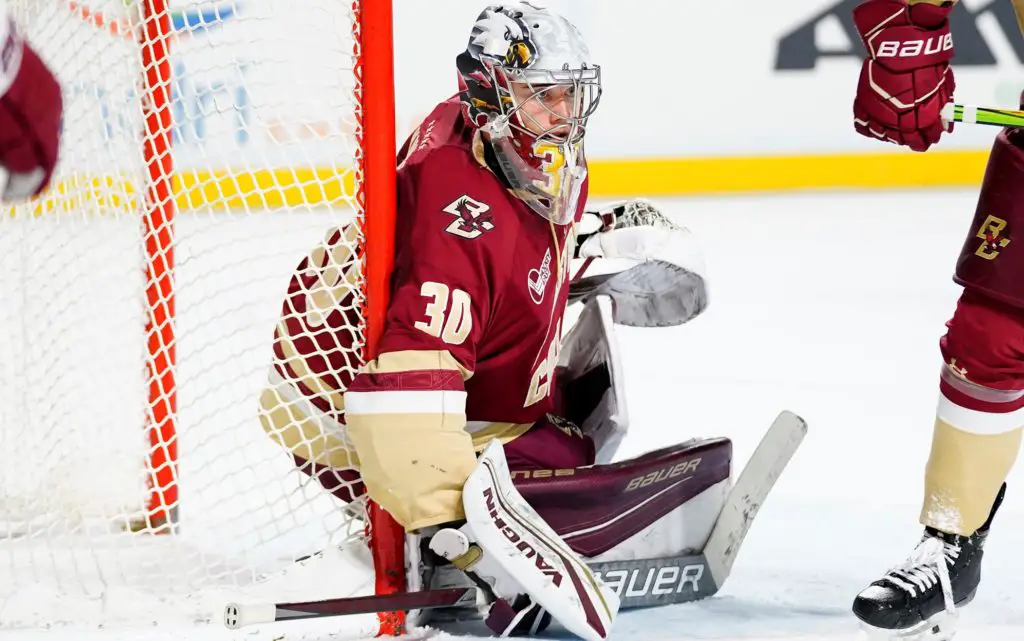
column 526, row 81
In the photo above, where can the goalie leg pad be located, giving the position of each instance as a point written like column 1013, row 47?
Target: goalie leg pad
column 659, row 504
column 513, row 536
column 655, row 566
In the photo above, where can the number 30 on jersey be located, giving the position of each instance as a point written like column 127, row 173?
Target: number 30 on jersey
column 450, row 325
column 450, row 318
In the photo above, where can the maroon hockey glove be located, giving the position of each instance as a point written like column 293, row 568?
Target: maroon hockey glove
column 906, row 79
column 30, row 115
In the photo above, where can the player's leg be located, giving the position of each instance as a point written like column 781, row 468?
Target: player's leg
column 978, row 421
column 979, row 417
column 974, row 445
column 298, row 426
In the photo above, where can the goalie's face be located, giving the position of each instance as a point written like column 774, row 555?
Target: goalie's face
column 552, row 106
column 550, row 111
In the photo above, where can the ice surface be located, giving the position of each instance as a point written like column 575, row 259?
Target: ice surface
column 830, row 305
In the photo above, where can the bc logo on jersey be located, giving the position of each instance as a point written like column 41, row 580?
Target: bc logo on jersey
column 993, row 237
column 471, row 219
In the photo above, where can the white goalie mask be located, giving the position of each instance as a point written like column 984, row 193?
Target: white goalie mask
column 527, row 82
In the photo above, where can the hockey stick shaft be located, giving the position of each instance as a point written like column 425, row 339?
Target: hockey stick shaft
column 973, row 114
column 238, row 615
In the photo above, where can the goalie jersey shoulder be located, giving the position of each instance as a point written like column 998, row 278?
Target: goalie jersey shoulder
column 449, row 202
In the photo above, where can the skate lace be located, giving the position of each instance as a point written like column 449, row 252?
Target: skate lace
column 927, row 565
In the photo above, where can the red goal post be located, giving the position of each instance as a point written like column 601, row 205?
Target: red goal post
column 387, row 539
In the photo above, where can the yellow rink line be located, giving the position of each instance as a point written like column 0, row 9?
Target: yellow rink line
column 731, row 175
column 256, row 189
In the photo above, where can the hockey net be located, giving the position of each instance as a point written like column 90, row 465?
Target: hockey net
column 207, row 147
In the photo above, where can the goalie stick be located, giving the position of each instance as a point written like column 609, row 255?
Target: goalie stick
column 639, row 583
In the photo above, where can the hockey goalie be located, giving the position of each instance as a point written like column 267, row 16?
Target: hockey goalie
column 478, row 426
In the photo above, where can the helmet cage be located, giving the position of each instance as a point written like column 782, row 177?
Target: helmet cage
column 549, row 89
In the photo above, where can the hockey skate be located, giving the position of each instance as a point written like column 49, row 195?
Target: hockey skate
column 918, row 600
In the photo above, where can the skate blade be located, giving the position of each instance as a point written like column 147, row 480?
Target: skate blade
column 941, row 627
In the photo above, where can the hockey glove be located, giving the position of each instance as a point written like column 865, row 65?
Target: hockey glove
column 629, row 214
column 906, row 79
column 653, row 269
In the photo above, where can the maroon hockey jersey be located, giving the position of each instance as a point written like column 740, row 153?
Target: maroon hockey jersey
column 477, row 275
column 470, row 342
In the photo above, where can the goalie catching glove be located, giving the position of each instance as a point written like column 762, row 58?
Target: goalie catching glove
column 508, row 550
column 651, row 268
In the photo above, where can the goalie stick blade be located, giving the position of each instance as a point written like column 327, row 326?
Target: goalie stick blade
column 745, row 498
column 239, row 615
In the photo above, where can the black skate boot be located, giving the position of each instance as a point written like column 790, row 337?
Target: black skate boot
column 918, row 599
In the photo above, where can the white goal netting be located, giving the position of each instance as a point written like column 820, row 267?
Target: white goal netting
column 129, row 382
